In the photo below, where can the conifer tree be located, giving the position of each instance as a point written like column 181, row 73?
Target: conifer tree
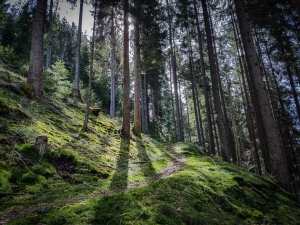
column 35, row 73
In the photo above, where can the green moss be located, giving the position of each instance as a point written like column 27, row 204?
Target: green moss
column 81, row 166
column 29, row 178
column 4, row 181
column 27, row 88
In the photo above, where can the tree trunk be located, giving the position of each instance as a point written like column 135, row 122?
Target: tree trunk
column 35, row 73
column 246, row 101
column 137, row 78
column 78, row 47
column 113, row 70
column 223, row 134
column 144, row 107
column 49, row 37
column 236, row 132
column 205, row 89
column 192, row 77
column 188, row 117
column 179, row 132
column 277, row 158
column 126, row 84
column 88, row 102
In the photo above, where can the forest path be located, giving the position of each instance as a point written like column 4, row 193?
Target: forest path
column 178, row 162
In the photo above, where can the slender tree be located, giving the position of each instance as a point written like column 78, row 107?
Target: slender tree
column 223, row 132
column 278, row 160
column 204, row 81
column 76, row 90
column 112, row 68
column 178, row 121
column 35, row 72
column 126, row 83
column 88, row 102
column 137, row 78
column 49, row 36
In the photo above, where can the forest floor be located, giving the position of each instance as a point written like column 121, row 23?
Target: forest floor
column 178, row 161
column 99, row 177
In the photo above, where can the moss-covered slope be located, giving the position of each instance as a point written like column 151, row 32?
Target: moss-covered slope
column 82, row 178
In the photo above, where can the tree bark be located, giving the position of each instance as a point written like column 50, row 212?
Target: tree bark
column 192, row 77
column 179, row 131
column 278, row 160
column 35, row 73
column 126, row 85
column 224, row 136
column 144, row 111
column 88, row 102
column 78, row 47
column 137, row 78
column 112, row 68
column 205, row 89
column 49, row 37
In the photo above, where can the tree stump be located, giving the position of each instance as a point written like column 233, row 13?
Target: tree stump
column 41, row 143
column 76, row 93
column 95, row 111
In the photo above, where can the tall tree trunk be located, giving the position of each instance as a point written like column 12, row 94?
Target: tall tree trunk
column 245, row 97
column 112, row 111
column 49, row 37
column 277, row 158
column 88, row 102
column 223, row 133
column 205, row 89
column 188, row 117
column 192, row 77
column 126, row 84
column 35, row 73
column 137, row 78
column 172, row 99
column 238, row 148
column 144, row 103
column 179, row 130
column 76, row 91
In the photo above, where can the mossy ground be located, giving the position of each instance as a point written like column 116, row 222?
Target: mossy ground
column 84, row 165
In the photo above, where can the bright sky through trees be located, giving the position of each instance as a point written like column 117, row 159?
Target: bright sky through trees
column 72, row 14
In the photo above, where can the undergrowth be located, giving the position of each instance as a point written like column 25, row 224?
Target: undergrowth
column 82, row 177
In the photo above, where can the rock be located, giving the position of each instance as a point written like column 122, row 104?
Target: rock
column 41, row 143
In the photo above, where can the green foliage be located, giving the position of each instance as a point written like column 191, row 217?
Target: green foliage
column 56, row 79
column 23, row 70
column 4, row 181
column 29, row 178
column 27, row 88
column 7, row 55
column 28, row 150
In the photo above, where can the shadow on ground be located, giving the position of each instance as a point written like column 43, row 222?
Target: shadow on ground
column 120, row 177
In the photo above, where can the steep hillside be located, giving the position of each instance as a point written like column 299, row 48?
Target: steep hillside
column 97, row 177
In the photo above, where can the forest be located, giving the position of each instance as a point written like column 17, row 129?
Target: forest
column 169, row 112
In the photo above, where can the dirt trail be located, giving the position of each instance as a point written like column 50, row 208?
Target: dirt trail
column 177, row 164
